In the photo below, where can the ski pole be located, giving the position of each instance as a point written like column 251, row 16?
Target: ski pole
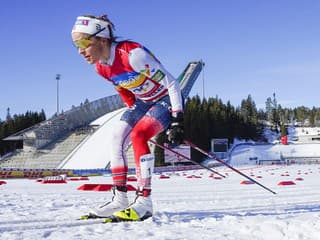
column 226, row 164
column 185, row 157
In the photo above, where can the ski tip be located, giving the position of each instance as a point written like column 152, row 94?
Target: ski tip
column 112, row 219
column 107, row 220
column 84, row 217
column 89, row 216
column 118, row 219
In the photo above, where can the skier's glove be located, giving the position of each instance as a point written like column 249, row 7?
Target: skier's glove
column 175, row 131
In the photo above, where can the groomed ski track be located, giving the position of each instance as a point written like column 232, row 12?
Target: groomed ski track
column 184, row 208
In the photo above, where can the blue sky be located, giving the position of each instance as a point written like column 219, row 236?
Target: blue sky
column 255, row 47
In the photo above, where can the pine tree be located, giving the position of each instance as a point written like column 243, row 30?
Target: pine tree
column 15, row 124
column 284, row 130
column 8, row 117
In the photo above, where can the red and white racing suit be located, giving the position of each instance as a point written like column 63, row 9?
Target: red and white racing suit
column 151, row 95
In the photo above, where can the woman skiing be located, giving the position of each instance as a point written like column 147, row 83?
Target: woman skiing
column 154, row 103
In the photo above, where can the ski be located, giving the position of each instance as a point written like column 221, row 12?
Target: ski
column 111, row 219
column 114, row 219
column 128, row 215
column 89, row 217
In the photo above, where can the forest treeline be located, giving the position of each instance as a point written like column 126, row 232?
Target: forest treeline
column 205, row 119
column 210, row 118
column 16, row 123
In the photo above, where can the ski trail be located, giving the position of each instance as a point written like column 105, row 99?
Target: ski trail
column 275, row 210
column 23, row 221
column 41, row 224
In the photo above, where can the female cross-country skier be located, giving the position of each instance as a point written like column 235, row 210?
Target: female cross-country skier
column 154, row 103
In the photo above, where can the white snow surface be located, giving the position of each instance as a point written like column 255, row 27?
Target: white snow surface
column 184, row 208
column 243, row 153
column 94, row 151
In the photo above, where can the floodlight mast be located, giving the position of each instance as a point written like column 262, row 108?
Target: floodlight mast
column 58, row 76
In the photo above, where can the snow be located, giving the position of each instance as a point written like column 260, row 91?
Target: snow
column 201, row 207
column 184, row 208
column 301, row 149
column 96, row 147
column 242, row 154
column 300, row 131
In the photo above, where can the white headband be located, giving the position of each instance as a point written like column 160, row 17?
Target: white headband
column 91, row 26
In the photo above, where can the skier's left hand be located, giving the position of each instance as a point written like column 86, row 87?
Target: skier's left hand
column 175, row 132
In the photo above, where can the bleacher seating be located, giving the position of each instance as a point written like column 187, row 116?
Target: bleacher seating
column 64, row 123
column 48, row 157
column 48, row 143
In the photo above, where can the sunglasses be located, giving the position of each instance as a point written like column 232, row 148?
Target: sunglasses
column 83, row 43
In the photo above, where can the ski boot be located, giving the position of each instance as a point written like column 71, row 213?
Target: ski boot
column 139, row 210
column 118, row 202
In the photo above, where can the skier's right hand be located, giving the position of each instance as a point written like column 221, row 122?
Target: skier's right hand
column 175, row 132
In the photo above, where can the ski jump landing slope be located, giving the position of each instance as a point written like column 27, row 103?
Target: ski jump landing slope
column 93, row 151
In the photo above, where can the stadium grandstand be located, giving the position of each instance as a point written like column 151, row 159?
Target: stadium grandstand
column 46, row 144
